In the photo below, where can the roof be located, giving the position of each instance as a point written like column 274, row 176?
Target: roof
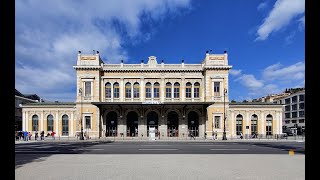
column 151, row 103
column 49, row 103
column 253, row 103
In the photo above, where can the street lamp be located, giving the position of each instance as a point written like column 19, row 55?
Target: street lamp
column 81, row 133
column 224, row 137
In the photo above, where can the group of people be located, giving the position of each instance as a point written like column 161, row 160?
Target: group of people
column 26, row 136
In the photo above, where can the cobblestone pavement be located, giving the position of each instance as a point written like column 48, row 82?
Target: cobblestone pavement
column 164, row 166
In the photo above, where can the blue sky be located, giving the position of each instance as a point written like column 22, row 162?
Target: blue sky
column 265, row 40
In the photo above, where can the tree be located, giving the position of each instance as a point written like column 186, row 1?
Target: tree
column 233, row 101
column 244, row 101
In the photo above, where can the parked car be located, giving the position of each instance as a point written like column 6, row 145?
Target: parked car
column 288, row 132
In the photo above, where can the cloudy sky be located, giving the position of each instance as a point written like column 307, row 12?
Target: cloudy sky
column 264, row 39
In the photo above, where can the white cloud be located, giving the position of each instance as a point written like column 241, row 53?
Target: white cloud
column 49, row 35
column 288, row 74
column 249, row 81
column 262, row 5
column 235, row 72
column 280, row 16
column 302, row 23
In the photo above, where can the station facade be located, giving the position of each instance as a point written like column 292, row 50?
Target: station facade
column 171, row 100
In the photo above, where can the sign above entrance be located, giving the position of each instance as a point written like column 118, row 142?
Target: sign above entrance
column 152, row 102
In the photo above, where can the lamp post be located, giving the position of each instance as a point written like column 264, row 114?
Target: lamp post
column 81, row 133
column 224, row 137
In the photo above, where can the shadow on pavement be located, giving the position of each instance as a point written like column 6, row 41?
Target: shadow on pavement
column 40, row 151
column 283, row 147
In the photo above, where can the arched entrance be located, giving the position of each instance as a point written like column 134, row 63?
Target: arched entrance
column 132, row 124
column 173, row 124
column 152, row 122
column 111, row 124
column 193, row 124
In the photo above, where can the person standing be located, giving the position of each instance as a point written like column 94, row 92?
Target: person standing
column 52, row 135
column 213, row 135
column 36, row 135
column 42, row 135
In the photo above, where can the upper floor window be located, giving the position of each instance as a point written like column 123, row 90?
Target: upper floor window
column 136, row 90
column 176, row 90
column 168, row 90
column 287, row 108
column 116, row 90
column 287, row 115
column 216, row 88
column 301, row 97
column 108, row 90
column 128, row 90
column 196, row 90
column 148, row 90
column 87, row 88
column 301, row 106
column 294, row 99
column 188, row 90
column 156, row 90
column 294, row 107
column 287, row 101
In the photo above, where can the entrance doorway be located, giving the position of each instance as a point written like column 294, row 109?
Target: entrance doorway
column 132, row 124
column 173, row 124
column 193, row 124
column 152, row 121
column 111, row 124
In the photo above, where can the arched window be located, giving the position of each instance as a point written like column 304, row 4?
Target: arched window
column 254, row 124
column 239, row 119
column 136, row 90
column 176, row 90
column 168, row 90
column 128, row 90
column 188, row 90
column 35, row 123
column 116, row 90
column 196, row 90
column 65, row 125
column 148, row 90
column 108, row 90
column 50, row 123
column 269, row 124
column 156, row 90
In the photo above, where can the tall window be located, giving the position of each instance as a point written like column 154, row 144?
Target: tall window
column 254, row 124
column 269, row 125
column 188, row 90
column 87, row 88
column 128, row 90
column 88, row 122
column 301, row 97
column 156, row 90
column 148, row 90
column 108, row 90
column 168, row 90
column 216, row 88
column 239, row 119
column 176, row 90
column 65, row 125
column 50, row 123
column 217, row 122
column 196, row 90
column 136, row 90
column 35, row 123
column 116, row 90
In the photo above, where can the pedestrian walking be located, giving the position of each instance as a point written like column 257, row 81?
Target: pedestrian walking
column 17, row 136
column 241, row 135
column 36, row 135
column 216, row 134
column 213, row 135
column 42, row 135
column 52, row 135
column 25, row 135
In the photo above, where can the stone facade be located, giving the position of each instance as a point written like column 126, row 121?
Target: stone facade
column 178, row 100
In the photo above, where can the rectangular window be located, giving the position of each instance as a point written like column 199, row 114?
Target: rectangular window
column 216, row 88
column 136, row 92
column 301, row 113
column 148, row 92
column 287, row 115
column 128, row 92
column 294, row 99
column 301, row 121
column 116, row 93
column 168, row 92
column 188, row 92
column 294, row 121
column 196, row 92
column 176, row 92
column 87, row 88
column 287, row 108
column 294, row 114
column 156, row 93
column 108, row 92
column 217, row 122
column 294, row 107
column 301, row 97
column 287, row 121
column 287, row 101
column 301, row 106
column 88, row 122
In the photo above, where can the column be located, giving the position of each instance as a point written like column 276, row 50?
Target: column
column 262, row 126
column 121, row 88
column 42, row 121
column 132, row 92
column 57, row 123
column 23, row 121
column 202, row 89
column 71, row 124
column 142, row 95
column 232, row 124
column 247, row 124
column 111, row 93
column 162, row 90
column 183, row 89
column 192, row 91
column 27, row 122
